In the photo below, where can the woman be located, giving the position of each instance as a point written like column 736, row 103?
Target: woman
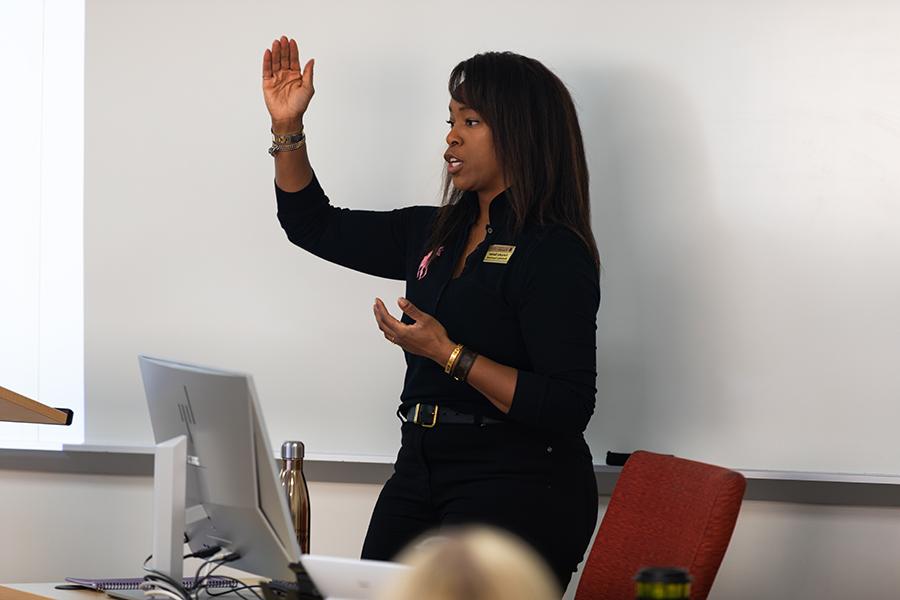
column 499, row 318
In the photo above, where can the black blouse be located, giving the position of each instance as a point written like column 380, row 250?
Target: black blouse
column 536, row 313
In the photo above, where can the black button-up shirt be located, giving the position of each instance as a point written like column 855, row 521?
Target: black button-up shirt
column 536, row 313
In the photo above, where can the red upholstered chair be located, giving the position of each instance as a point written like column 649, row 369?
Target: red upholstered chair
column 664, row 512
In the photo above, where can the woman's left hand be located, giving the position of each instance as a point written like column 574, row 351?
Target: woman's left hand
column 426, row 337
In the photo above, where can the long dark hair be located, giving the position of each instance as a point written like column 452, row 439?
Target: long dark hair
column 538, row 143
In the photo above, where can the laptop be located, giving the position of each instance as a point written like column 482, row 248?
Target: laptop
column 350, row 579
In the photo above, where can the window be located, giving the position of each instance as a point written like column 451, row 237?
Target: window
column 41, row 209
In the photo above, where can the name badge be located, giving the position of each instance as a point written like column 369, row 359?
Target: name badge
column 498, row 254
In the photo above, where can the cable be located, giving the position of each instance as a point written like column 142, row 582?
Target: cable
column 205, row 552
column 202, row 553
column 198, row 580
column 236, row 590
column 160, row 584
column 161, row 580
column 160, row 592
column 201, row 583
column 166, row 583
column 156, row 581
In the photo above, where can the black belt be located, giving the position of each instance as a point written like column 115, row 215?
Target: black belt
column 428, row 415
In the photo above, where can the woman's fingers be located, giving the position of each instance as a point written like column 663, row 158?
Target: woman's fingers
column 385, row 329
column 267, row 64
column 388, row 317
column 308, row 72
column 411, row 310
column 276, row 57
column 294, row 55
column 285, row 53
column 388, row 325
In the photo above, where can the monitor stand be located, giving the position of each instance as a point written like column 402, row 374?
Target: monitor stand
column 169, row 477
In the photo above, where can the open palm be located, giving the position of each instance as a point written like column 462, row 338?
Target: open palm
column 286, row 89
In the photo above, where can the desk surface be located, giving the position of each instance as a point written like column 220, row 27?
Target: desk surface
column 36, row 591
column 43, row 591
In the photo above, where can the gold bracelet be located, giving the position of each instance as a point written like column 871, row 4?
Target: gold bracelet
column 287, row 138
column 453, row 358
column 277, row 147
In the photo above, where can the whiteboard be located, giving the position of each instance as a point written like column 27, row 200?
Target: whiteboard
column 745, row 190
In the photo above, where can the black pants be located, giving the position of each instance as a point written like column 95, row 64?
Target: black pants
column 538, row 487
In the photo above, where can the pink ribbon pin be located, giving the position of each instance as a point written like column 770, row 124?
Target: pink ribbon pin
column 423, row 266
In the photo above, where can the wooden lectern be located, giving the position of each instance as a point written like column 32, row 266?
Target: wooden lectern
column 16, row 407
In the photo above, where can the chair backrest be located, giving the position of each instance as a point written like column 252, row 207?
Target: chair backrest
column 664, row 512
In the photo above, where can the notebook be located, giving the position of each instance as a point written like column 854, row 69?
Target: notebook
column 133, row 583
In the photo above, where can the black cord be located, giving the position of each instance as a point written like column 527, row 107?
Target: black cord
column 187, row 593
column 202, row 582
column 236, row 590
column 152, row 576
column 199, row 581
column 205, row 552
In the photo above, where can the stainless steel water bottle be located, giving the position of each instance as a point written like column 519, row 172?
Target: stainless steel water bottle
column 297, row 492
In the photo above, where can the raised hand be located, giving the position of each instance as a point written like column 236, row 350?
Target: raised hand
column 286, row 89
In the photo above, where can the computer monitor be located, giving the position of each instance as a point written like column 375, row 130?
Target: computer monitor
column 234, row 497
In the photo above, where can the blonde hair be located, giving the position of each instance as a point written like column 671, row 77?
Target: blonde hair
column 477, row 563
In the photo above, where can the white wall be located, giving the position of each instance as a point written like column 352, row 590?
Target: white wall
column 58, row 524
column 743, row 180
